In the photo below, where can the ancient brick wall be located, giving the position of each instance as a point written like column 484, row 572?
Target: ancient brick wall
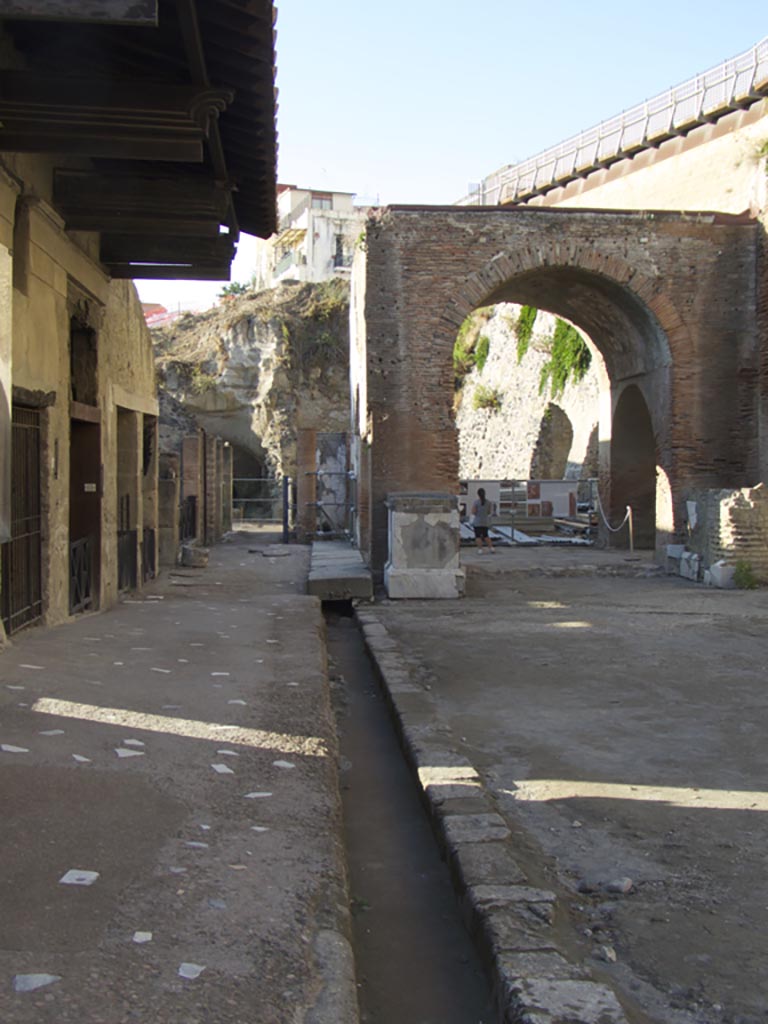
column 669, row 299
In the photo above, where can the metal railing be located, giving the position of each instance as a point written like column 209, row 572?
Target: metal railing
column 257, row 498
column 732, row 85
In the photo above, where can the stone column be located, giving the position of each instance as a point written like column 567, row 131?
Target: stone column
column 211, row 487
column 219, row 487
column 226, row 487
column 192, row 486
column 306, row 483
column 168, row 510
column 423, row 546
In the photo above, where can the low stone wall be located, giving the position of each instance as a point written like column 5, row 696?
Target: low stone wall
column 731, row 525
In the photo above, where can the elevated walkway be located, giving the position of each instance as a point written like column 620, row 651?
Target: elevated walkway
column 337, row 572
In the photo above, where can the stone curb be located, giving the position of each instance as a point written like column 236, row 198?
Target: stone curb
column 511, row 921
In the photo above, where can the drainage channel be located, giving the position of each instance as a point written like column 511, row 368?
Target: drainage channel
column 415, row 961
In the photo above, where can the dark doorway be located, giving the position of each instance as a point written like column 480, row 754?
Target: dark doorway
column 22, row 603
column 84, row 515
column 633, row 467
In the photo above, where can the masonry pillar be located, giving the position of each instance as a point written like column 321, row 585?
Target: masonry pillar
column 219, row 487
column 169, row 488
column 306, row 483
column 211, row 487
column 192, row 476
column 226, row 487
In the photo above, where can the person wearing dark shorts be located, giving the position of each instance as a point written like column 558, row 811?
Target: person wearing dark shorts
column 482, row 510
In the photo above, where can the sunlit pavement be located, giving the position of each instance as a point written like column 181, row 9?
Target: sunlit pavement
column 615, row 719
column 177, row 754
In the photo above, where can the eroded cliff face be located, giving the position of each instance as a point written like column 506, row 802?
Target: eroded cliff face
column 257, row 369
column 520, row 432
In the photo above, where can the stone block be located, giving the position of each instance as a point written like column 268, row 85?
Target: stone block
column 424, row 583
column 555, row 1000
column 690, row 565
column 474, row 828
column 194, row 557
column 721, row 575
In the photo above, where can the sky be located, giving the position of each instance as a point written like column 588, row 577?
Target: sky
column 410, row 101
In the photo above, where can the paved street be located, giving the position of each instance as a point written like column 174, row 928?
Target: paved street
column 610, row 723
column 178, row 755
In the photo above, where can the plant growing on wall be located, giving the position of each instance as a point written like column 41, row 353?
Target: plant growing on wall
column 524, row 329
column 569, row 360
column 481, row 351
column 233, row 290
column 467, row 344
column 486, row 398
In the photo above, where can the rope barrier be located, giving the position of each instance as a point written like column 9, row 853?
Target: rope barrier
column 622, row 524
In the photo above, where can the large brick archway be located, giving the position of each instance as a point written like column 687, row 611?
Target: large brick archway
column 668, row 299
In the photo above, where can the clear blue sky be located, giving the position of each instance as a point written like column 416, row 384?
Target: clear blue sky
column 411, row 101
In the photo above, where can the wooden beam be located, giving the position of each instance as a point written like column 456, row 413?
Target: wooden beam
column 143, row 203
column 169, row 272
column 124, row 119
column 154, row 249
column 122, row 12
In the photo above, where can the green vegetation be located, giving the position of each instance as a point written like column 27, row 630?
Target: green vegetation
column 744, row 575
column 233, row 290
column 200, row 381
column 524, row 329
column 486, row 398
column 569, row 360
column 481, row 351
column 468, row 349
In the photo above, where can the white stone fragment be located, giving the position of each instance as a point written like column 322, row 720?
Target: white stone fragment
column 219, row 673
column 206, row 828
column 283, row 764
column 80, row 759
column 228, row 753
column 177, row 871
column 190, row 971
column 118, row 662
column 183, row 661
column 273, row 641
column 165, row 671
column 142, row 937
column 10, row 749
column 242, row 702
column 256, row 796
column 38, row 668
column 259, row 828
column 222, row 769
column 133, row 743
column 51, row 732
column 196, row 845
column 127, row 752
column 32, row 982
column 75, row 876
column 10, row 686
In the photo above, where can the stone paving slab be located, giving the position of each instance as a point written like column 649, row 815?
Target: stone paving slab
column 181, row 747
column 338, row 573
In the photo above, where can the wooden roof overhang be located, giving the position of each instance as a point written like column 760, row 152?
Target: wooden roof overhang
column 174, row 122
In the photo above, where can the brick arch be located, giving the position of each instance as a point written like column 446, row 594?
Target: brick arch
column 479, row 287
column 658, row 286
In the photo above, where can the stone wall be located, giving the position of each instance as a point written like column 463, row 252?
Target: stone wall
column 732, row 525
column 505, row 443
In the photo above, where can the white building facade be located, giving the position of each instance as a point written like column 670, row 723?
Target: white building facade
column 316, row 237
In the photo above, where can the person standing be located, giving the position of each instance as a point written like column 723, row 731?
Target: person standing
column 482, row 510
